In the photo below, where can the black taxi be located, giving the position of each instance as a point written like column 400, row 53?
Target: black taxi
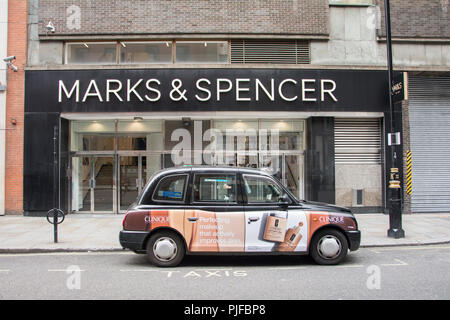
column 230, row 210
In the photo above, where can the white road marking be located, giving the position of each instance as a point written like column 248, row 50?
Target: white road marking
column 350, row 266
column 137, row 270
column 287, row 268
column 5, row 270
column 62, row 270
column 64, row 253
column 410, row 248
column 212, row 269
column 400, row 263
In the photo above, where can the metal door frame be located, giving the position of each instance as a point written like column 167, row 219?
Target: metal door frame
column 139, row 155
column 91, row 155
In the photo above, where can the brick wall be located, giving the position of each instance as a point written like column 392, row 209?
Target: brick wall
column 17, row 46
column 418, row 18
column 293, row 17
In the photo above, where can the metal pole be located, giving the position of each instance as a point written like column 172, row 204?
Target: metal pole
column 55, row 183
column 395, row 215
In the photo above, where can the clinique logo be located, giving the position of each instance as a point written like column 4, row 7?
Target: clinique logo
column 331, row 219
column 156, row 219
column 241, row 89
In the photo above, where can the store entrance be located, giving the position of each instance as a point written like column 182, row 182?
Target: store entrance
column 130, row 178
column 111, row 160
column 93, row 183
column 107, row 184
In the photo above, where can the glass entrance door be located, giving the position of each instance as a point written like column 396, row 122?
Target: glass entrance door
column 93, row 184
column 132, row 178
column 293, row 167
column 288, row 168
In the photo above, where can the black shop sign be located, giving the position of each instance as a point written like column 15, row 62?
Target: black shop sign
column 146, row 90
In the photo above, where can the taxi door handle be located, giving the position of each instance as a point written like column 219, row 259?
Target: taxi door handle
column 193, row 219
column 253, row 219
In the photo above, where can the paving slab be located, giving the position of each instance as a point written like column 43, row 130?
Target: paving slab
column 100, row 232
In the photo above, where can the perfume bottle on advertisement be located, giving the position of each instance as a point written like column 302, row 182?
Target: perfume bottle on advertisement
column 291, row 239
column 275, row 227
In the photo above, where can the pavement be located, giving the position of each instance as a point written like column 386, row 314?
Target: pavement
column 100, row 232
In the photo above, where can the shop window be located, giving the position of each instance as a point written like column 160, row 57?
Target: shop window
column 128, row 142
column 98, row 143
column 351, row 2
column 214, row 188
column 145, row 52
column 290, row 133
column 91, row 53
column 95, row 135
column 202, row 52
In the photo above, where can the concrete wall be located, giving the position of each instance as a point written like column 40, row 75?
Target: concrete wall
column 3, row 53
column 353, row 41
column 363, row 176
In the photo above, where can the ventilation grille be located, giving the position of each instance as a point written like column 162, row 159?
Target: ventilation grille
column 357, row 141
column 273, row 51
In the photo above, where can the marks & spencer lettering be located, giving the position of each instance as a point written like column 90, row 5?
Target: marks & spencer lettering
column 205, row 90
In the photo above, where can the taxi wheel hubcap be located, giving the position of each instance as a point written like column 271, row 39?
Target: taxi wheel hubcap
column 329, row 247
column 165, row 249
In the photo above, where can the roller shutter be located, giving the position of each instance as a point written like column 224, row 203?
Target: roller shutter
column 429, row 116
column 357, row 141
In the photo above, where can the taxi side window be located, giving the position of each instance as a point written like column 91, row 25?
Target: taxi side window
column 261, row 189
column 171, row 188
column 215, row 188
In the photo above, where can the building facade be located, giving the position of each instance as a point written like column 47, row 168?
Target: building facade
column 3, row 70
column 13, row 44
column 297, row 87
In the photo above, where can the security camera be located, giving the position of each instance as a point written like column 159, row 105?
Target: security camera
column 9, row 59
column 13, row 67
column 50, row 27
column 9, row 63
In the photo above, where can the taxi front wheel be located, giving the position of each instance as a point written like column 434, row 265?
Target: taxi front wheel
column 165, row 249
column 328, row 247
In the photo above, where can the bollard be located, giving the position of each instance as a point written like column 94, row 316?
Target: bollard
column 58, row 217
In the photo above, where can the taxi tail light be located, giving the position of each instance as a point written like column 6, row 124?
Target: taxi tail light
column 124, row 218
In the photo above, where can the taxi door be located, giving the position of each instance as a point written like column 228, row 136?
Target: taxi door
column 271, row 224
column 215, row 220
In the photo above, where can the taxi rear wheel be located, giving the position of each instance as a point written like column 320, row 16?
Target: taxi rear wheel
column 328, row 247
column 165, row 249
